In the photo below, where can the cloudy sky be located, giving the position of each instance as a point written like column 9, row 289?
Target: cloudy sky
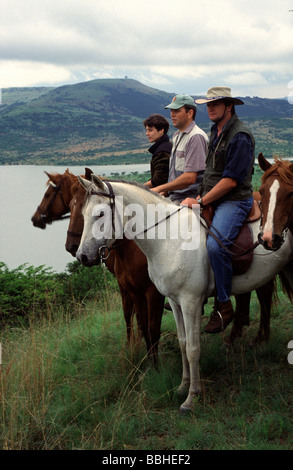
column 176, row 46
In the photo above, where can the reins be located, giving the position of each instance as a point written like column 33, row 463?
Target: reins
column 117, row 244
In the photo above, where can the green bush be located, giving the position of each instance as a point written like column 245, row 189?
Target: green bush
column 82, row 283
column 29, row 290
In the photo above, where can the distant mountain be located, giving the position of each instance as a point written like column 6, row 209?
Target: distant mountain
column 22, row 95
column 100, row 121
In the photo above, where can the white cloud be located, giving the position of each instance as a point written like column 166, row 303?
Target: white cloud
column 243, row 44
column 18, row 74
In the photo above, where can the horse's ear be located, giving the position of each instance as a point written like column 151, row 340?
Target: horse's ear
column 84, row 183
column 97, row 181
column 88, row 174
column 53, row 178
column 263, row 163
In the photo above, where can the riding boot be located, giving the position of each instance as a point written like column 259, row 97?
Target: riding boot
column 221, row 317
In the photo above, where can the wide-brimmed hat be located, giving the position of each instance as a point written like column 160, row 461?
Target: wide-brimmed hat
column 181, row 100
column 219, row 93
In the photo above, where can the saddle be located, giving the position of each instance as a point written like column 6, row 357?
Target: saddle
column 242, row 247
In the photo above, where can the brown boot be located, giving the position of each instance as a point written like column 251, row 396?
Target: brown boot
column 221, row 316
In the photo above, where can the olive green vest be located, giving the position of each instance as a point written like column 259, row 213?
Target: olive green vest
column 216, row 162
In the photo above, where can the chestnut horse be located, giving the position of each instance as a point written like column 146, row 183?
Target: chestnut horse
column 277, row 209
column 129, row 265
column 65, row 194
column 277, row 200
column 56, row 200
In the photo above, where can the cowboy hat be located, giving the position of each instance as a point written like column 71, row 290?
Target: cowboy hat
column 218, row 93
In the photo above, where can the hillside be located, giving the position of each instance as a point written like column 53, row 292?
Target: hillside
column 100, row 121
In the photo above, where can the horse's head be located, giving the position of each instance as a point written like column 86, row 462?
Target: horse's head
column 75, row 227
column 98, row 213
column 276, row 201
column 55, row 202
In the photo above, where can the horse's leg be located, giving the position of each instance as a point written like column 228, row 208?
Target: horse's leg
column 265, row 296
column 241, row 317
column 185, row 381
column 192, row 312
column 141, row 311
column 286, row 277
column 128, row 311
column 155, row 305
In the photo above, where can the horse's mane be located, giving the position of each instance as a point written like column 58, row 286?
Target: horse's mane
column 142, row 186
column 131, row 183
column 74, row 183
column 282, row 167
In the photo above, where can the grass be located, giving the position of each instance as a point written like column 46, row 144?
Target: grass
column 71, row 382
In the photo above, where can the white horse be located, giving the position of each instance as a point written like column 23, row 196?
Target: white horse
column 182, row 274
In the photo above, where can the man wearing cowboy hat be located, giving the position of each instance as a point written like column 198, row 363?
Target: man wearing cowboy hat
column 227, row 186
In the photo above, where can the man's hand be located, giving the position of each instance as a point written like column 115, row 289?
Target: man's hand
column 189, row 201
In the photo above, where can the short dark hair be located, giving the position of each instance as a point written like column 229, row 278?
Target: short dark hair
column 194, row 109
column 157, row 121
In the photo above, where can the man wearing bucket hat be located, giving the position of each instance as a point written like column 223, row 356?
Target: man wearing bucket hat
column 187, row 162
column 227, row 186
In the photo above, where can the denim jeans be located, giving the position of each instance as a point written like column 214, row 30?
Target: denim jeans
column 228, row 219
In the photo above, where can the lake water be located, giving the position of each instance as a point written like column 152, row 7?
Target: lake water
column 21, row 191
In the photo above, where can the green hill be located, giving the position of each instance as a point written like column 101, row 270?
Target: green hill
column 100, row 121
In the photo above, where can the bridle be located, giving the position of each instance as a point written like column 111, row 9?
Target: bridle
column 109, row 195
column 57, row 190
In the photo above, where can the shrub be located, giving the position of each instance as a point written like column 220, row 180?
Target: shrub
column 29, row 290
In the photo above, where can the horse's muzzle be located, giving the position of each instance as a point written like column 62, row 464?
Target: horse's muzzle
column 277, row 242
column 40, row 221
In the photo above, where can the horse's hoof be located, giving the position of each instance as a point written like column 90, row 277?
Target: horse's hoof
column 183, row 411
column 182, row 390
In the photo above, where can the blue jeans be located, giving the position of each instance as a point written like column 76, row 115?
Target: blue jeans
column 228, row 219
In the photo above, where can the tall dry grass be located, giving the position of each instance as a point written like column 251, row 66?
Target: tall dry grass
column 70, row 381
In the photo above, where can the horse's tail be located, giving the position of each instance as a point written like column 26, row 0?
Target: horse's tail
column 286, row 278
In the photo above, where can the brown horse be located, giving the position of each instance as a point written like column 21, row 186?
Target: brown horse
column 56, row 200
column 277, row 210
column 129, row 265
column 277, row 201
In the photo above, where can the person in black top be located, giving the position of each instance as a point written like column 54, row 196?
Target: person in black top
column 156, row 130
